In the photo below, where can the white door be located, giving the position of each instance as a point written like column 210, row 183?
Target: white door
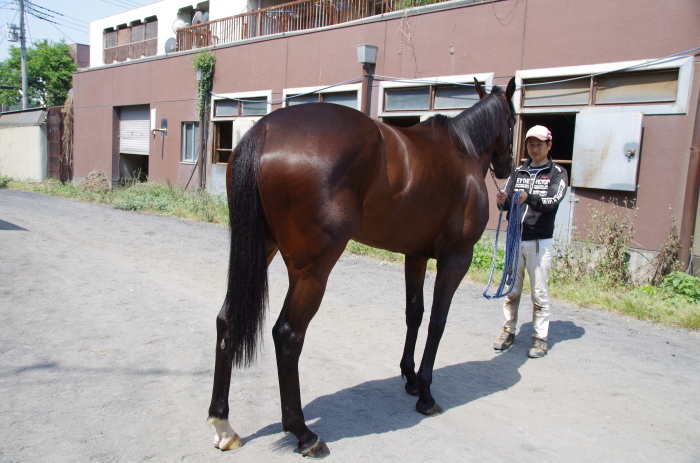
column 606, row 149
column 134, row 129
column 563, row 221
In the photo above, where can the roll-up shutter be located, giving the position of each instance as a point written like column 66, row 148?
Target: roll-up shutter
column 134, row 128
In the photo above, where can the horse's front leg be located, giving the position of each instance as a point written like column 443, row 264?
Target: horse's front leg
column 415, row 277
column 226, row 438
column 450, row 272
column 301, row 304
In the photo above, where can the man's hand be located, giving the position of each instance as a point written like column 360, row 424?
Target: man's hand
column 501, row 197
column 523, row 196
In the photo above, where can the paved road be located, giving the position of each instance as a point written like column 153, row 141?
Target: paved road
column 107, row 352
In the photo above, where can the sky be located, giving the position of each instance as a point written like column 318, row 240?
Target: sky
column 71, row 19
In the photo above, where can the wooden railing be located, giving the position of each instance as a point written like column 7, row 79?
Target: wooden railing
column 287, row 17
column 134, row 50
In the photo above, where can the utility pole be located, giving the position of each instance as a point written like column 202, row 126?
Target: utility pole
column 23, row 51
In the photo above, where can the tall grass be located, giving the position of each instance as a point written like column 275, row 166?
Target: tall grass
column 170, row 200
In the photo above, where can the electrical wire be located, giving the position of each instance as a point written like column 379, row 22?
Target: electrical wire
column 64, row 34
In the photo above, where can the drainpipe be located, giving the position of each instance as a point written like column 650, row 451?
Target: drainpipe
column 692, row 188
column 367, row 57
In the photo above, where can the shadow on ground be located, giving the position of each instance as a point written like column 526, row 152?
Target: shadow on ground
column 350, row 412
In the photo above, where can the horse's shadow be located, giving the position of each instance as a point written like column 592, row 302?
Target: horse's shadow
column 381, row 406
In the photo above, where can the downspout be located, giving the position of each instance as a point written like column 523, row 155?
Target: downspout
column 692, row 188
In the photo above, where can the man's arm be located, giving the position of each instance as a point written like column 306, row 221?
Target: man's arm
column 555, row 192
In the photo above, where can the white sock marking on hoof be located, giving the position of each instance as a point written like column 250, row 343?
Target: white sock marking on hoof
column 226, row 438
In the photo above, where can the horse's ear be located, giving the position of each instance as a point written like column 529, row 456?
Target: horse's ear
column 510, row 90
column 479, row 89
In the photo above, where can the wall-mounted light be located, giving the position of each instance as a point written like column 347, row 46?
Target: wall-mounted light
column 367, row 54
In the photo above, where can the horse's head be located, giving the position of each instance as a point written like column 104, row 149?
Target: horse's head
column 502, row 158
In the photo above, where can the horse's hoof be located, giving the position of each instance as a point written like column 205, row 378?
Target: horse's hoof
column 226, row 438
column 317, row 449
column 412, row 388
column 433, row 410
column 228, row 443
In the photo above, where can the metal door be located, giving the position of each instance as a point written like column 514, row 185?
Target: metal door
column 606, row 149
column 134, row 129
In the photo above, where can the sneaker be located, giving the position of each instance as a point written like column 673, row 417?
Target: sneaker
column 538, row 349
column 504, row 340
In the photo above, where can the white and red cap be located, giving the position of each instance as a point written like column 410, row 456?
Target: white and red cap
column 539, row 131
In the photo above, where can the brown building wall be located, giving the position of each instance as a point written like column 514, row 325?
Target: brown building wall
column 499, row 37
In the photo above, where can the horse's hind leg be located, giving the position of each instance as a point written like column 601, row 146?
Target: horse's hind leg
column 226, row 438
column 307, row 285
column 415, row 277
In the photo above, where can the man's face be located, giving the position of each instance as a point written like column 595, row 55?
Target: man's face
column 538, row 150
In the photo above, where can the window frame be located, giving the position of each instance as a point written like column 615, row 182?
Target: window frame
column 680, row 106
column 213, row 152
column 287, row 92
column 485, row 78
column 183, row 159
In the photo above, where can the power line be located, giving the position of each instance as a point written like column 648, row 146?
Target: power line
column 121, row 5
column 64, row 34
column 52, row 11
column 51, row 18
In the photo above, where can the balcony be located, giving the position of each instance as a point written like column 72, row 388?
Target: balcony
column 287, row 17
column 133, row 42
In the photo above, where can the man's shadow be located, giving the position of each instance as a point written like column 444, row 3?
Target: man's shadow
column 381, row 406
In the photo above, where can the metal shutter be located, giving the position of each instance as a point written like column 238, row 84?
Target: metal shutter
column 134, row 129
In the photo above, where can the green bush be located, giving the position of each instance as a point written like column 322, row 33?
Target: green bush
column 4, row 181
column 683, row 285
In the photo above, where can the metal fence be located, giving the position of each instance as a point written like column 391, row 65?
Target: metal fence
column 287, row 17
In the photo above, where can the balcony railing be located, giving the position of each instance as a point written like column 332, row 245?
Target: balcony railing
column 287, row 17
column 131, row 51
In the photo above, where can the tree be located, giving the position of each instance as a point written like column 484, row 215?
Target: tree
column 50, row 71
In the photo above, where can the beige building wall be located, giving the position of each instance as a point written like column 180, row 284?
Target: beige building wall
column 24, row 153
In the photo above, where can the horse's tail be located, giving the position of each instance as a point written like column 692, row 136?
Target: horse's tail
column 247, row 291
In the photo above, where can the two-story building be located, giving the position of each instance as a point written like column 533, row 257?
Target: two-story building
column 616, row 82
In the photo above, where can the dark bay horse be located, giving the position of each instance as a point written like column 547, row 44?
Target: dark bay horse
column 307, row 179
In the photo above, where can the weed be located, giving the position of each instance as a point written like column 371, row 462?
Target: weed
column 683, row 285
column 405, row 4
column 666, row 261
column 4, row 181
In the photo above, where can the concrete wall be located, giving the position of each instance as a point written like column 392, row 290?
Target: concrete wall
column 24, row 153
column 438, row 40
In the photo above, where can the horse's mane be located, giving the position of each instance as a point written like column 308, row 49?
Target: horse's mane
column 475, row 127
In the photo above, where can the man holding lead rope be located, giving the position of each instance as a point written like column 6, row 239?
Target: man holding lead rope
column 542, row 185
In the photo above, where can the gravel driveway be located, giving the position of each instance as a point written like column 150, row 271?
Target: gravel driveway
column 107, row 333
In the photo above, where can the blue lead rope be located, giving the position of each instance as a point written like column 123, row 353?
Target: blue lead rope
column 512, row 250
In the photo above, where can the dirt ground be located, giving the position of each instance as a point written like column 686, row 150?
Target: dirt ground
column 107, row 340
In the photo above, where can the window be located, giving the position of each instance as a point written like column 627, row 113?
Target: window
column 190, row 141
column 135, row 41
column 620, row 88
column 249, row 106
column 637, row 87
column 430, row 98
column 408, row 99
column 424, row 97
column 642, row 86
column 348, row 99
column 569, row 93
